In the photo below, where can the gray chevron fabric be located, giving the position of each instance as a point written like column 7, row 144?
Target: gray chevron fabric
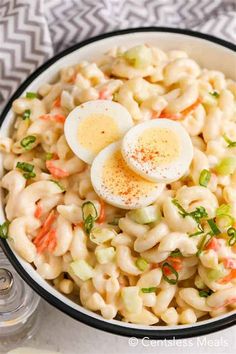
column 31, row 31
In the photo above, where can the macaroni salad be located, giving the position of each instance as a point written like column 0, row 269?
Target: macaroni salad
column 166, row 257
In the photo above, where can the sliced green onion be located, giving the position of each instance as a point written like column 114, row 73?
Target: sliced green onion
column 227, row 166
column 231, row 143
column 31, row 95
column 182, row 211
column 203, row 243
column 88, row 208
column 213, row 226
column 26, row 114
column 88, row 224
column 149, row 290
column 141, row 264
column 205, row 293
column 58, row 184
column 232, row 236
column 224, row 209
column 4, row 230
column 204, row 178
column 214, row 94
column 27, row 142
column 48, row 156
column 173, row 271
column 176, row 253
column 24, row 166
column 29, row 175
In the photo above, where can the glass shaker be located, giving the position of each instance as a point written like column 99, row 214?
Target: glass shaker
column 19, row 315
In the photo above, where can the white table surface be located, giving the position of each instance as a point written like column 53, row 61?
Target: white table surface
column 67, row 336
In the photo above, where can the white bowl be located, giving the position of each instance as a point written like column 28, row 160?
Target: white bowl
column 209, row 52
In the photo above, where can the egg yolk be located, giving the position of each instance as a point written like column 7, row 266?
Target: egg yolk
column 119, row 180
column 97, row 131
column 157, row 146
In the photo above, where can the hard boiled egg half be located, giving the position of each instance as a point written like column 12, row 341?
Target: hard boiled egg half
column 117, row 184
column 93, row 125
column 159, row 150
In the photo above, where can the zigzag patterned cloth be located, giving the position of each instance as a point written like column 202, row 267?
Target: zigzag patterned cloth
column 31, row 31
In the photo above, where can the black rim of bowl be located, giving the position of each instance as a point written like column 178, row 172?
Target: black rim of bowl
column 104, row 325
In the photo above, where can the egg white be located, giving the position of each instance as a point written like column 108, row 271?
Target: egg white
column 115, row 111
column 165, row 172
column 152, row 190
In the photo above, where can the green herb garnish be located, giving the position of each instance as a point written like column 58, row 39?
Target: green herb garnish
column 231, row 143
column 214, row 94
column 27, row 168
column 204, row 242
column 88, row 224
column 204, row 178
column 90, row 214
column 24, row 166
column 4, row 230
column 214, row 228
column 197, row 214
column 232, row 236
column 31, row 95
column 149, row 290
column 26, row 114
column 27, row 142
column 205, row 293
column 176, row 253
column 173, row 272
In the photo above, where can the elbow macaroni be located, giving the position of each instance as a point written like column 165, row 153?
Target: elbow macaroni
column 45, row 208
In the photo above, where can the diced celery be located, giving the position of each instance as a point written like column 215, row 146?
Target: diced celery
column 217, row 273
column 209, row 259
column 131, row 299
column 140, row 56
column 82, row 269
column 145, row 215
column 105, row 255
column 141, row 264
column 226, row 166
column 199, row 283
column 101, row 235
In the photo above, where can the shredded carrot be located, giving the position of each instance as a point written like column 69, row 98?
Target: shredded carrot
column 188, row 110
column 52, row 240
column 56, row 172
column 57, row 102
column 102, row 215
column 229, row 277
column 59, row 118
column 45, row 227
column 181, row 115
column 175, row 262
column 167, row 115
column 38, row 211
column 48, row 242
column 104, row 94
column 213, row 245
